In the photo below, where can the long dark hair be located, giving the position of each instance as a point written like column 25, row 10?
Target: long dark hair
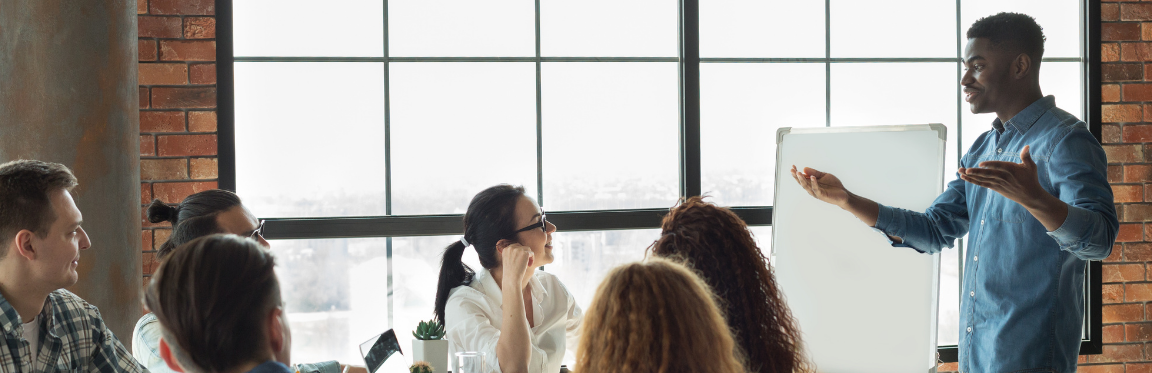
column 491, row 217
column 193, row 218
column 717, row 244
column 212, row 297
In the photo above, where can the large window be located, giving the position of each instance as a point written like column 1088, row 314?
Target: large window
column 362, row 128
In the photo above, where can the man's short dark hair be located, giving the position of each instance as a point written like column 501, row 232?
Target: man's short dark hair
column 25, row 203
column 1012, row 31
column 212, row 297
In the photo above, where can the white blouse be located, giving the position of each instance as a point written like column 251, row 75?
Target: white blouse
column 474, row 316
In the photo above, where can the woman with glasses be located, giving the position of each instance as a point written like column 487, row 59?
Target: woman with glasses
column 522, row 319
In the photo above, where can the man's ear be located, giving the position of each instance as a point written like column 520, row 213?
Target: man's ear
column 166, row 354
column 1022, row 66
column 275, row 325
column 23, row 244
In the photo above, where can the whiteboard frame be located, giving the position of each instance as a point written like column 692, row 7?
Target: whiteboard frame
column 942, row 134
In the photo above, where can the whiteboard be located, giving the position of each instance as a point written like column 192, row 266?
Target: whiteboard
column 862, row 305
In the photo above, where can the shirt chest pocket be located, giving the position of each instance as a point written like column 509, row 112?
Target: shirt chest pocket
column 1005, row 210
column 66, row 364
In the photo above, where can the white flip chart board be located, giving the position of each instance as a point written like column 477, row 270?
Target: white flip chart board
column 863, row 306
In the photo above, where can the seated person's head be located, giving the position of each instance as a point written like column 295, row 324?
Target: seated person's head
column 218, row 302
column 497, row 217
column 204, row 213
column 717, row 245
column 40, row 233
column 655, row 316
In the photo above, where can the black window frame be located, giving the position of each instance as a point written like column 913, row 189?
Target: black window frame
column 689, row 141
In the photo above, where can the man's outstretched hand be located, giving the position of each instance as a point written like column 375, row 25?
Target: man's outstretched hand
column 1015, row 181
column 822, row 185
column 1018, row 182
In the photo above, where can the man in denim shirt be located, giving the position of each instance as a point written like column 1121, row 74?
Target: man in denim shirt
column 1034, row 196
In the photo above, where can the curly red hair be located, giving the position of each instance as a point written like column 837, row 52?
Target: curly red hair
column 717, row 244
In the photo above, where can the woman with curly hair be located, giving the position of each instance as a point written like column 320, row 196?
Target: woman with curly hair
column 717, row 244
column 655, row 316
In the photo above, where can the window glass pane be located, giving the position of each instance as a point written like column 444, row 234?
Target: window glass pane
column 867, row 94
column 1060, row 20
column 336, row 294
column 869, row 28
column 948, row 316
column 339, row 28
column 458, row 128
column 584, row 258
column 310, row 138
column 741, row 107
column 416, row 266
column 1063, row 80
column 610, row 135
column 609, row 28
column 763, row 236
column 756, row 28
column 461, row 28
column 1060, row 79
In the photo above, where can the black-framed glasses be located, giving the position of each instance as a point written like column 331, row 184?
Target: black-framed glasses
column 542, row 224
column 258, row 232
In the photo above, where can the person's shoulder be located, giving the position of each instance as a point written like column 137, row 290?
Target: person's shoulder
column 465, row 293
column 68, row 302
column 69, row 309
column 1063, row 122
column 147, row 323
column 146, row 320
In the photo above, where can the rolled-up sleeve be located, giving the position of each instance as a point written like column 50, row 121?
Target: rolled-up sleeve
column 470, row 330
column 1078, row 173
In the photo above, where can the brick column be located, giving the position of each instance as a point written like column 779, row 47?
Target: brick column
column 177, row 107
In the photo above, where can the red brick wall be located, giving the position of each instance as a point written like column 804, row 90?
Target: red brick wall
column 1126, row 109
column 177, row 107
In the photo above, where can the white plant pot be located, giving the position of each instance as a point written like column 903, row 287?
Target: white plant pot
column 434, row 352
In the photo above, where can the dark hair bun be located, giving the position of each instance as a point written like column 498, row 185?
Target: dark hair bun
column 160, row 212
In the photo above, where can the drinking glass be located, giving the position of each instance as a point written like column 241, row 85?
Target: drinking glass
column 470, row 362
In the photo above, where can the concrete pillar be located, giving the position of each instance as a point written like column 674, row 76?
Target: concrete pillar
column 68, row 94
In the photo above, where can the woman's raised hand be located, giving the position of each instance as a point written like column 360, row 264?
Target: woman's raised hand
column 517, row 259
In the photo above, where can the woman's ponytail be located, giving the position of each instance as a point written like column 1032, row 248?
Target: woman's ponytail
column 453, row 273
column 158, row 212
column 491, row 216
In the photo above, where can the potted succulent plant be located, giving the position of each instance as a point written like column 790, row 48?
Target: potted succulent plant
column 430, row 345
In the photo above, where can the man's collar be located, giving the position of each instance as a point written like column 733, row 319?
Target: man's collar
column 1024, row 120
column 9, row 318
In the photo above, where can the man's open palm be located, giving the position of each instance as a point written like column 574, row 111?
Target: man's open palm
column 1015, row 181
column 822, row 185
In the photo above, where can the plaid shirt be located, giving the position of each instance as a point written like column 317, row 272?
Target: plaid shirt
column 73, row 338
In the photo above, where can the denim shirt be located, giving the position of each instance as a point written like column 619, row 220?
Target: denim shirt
column 271, row 367
column 1023, row 286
